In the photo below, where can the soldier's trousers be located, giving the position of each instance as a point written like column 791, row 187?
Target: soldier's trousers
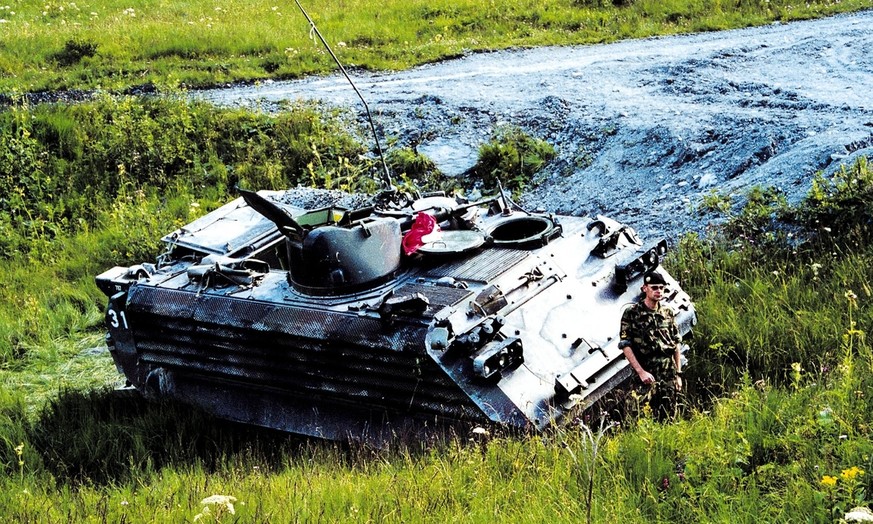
column 661, row 398
column 665, row 400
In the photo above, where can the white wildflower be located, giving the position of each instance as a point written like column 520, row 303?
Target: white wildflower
column 225, row 501
column 202, row 514
column 859, row 514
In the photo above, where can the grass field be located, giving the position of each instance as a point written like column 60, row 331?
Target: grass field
column 116, row 45
column 781, row 371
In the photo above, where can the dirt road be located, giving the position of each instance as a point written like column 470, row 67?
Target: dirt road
column 643, row 128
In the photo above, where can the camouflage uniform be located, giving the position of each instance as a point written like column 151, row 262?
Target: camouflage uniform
column 652, row 335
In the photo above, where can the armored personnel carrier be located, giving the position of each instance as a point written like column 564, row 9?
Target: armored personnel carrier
column 393, row 319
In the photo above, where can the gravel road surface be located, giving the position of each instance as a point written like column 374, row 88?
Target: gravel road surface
column 643, row 128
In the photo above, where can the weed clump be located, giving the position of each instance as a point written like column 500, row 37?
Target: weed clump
column 75, row 51
column 510, row 158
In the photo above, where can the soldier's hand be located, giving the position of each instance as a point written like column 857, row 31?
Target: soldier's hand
column 678, row 382
column 647, row 377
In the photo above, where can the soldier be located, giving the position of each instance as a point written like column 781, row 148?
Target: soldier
column 651, row 343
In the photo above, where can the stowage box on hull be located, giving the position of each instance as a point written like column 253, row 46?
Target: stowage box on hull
column 368, row 324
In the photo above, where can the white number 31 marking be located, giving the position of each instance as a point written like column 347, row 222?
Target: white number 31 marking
column 117, row 318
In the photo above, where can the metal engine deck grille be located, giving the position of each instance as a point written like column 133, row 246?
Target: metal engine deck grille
column 483, row 267
column 314, row 356
column 438, row 297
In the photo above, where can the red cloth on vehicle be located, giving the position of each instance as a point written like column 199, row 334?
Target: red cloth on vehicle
column 424, row 225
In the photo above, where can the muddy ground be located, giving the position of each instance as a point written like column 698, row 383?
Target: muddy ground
column 644, row 128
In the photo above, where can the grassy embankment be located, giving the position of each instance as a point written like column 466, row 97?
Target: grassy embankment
column 118, row 44
column 782, row 369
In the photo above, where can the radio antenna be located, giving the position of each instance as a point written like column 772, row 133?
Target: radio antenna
column 387, row 176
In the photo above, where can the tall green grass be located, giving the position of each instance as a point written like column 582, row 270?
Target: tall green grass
column 116, row 45
column 806, row 268
column 763, row 454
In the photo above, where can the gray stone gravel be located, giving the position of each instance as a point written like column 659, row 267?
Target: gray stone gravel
column 318, row 198
column 643, row 128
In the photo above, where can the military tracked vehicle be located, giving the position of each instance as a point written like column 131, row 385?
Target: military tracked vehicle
column 391, row 319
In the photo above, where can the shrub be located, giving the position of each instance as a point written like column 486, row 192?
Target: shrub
column 512, row 157
column 61, row 165
column 771, row 286
column 74, row 51
column 842, row 203
column 411, row 164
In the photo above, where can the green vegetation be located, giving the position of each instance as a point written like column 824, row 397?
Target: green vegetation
column 806, row 268
column 781, row 368
column 511, row 157
column 116, row 45
column 415, row 168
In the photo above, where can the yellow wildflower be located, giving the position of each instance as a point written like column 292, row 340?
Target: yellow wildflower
column 829, row 481
column 19, row 450
column 851, row 473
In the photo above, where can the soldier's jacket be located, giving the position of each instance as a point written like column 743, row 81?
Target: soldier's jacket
column 653, row 335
